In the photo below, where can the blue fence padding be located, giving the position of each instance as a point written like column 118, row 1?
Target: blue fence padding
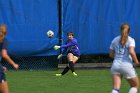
column 27, row 22
column 96, row 22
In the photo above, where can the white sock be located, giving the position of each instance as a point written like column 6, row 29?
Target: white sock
column 114, row 91
column 133, row 90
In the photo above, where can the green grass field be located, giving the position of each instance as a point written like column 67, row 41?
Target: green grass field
column 87, row 81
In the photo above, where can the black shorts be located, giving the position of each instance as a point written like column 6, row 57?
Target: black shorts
column 2, row 77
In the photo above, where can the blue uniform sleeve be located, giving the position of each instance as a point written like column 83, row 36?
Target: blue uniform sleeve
column 73, row 42
column 64, row 51
column 5, row 44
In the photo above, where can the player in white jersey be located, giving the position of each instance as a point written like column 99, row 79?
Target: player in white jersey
column 123, row 52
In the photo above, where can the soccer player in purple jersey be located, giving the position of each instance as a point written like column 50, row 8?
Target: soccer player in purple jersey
column 4, row 54
column 72, row 51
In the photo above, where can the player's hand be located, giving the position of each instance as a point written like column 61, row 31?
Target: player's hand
column 16, row 66
column 56, row 47
column 136, row 64
column 4, row 69
column 59, row 56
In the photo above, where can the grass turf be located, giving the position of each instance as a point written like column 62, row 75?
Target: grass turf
column 87, row 81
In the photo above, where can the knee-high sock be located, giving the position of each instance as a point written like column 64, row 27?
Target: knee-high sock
column 65, row 70
column 133, row 90
column 71, row 65
column 115, row 91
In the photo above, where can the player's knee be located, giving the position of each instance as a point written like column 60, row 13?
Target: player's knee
column 135, row 84
column 70, row 60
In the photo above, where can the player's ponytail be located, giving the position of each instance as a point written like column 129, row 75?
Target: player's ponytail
column 125, row 28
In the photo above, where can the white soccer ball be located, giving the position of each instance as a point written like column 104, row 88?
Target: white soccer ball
column 50, row 33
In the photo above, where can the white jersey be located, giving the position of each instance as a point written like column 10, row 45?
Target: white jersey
column 122, row 52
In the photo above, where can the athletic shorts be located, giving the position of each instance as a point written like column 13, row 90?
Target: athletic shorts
column 2, row 77
column 75, row 54
column 127, row 71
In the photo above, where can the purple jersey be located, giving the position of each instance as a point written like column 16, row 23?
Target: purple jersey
column 71, row 47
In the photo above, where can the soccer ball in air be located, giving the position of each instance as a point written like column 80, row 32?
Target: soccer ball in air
column 50, row 34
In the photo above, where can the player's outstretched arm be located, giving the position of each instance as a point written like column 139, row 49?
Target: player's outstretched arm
column 8, row 59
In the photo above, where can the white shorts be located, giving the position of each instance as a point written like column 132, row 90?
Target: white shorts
column 127, row 71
